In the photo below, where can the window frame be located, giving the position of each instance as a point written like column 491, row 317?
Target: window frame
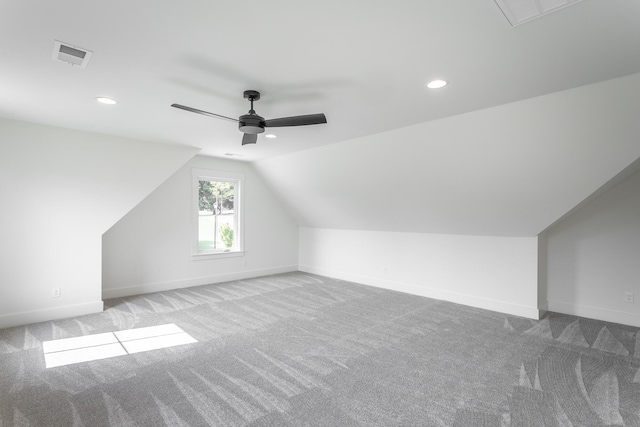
column 237, row 249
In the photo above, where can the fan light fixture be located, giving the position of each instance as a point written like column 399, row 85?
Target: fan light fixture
column 436, row 84
column 104, row 100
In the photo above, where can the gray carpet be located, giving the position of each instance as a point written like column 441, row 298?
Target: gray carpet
column 304, row 350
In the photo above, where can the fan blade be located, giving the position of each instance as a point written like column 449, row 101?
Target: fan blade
column 249, row 138
column 205, row 113
column 309, row 119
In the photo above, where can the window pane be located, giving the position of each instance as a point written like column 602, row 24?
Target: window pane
column 216, row 215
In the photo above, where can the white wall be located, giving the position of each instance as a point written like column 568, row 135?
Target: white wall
column 59, row 191
column 436, row 190
column 594, row 257
column 495, row 273
column 149, row 249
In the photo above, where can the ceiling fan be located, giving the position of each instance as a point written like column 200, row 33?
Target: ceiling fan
column 251, row 124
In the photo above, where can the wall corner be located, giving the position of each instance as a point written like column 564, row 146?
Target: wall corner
column 543, row 304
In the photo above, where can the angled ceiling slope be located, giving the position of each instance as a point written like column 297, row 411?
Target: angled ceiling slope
column 511, row 170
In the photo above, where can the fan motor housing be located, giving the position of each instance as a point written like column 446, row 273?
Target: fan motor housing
column 251, row 123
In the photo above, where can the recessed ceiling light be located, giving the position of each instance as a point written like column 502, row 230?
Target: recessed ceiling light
column 104, row 100
column 436, row 84
column 270, row 135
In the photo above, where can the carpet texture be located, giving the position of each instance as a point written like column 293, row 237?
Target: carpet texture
column 303, row 350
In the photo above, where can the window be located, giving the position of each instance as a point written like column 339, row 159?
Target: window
column 217, row 201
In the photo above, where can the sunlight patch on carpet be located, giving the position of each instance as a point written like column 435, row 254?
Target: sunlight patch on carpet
column 86, row 348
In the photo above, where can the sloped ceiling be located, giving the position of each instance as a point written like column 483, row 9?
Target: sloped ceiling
column 363, row 63
column 535, row 118
column 511, row 170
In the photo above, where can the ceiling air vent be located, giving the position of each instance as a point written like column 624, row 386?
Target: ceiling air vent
column 71, row 54
column 521, row 11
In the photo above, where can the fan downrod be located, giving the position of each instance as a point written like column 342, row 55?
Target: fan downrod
column 251, row 123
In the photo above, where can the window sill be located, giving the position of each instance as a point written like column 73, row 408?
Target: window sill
column 216, row 255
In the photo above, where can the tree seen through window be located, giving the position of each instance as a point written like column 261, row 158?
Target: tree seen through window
column 216, row 215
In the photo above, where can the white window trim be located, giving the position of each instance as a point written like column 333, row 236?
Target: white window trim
column 212, row 175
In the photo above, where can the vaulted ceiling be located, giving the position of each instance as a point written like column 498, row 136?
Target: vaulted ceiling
column 534, row 120
column 510, row 170
column 363, row 63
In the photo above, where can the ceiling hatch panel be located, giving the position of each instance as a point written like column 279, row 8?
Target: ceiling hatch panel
column 521, row 11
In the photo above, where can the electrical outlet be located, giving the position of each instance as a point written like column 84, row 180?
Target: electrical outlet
column 628, row 297
column 384, row 269
column 55, row 293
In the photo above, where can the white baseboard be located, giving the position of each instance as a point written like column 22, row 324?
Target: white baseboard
column 470, row 300
column 148, row 288
column 47, row 314
column 625, row 318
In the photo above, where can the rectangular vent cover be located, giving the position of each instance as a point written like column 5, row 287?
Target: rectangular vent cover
column 521, row 11
column 71, row 54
